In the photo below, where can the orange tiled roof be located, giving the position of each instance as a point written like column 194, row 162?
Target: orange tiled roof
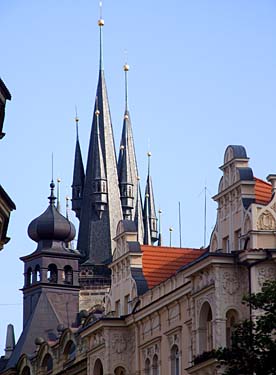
column 159, row 263
column 263, row 192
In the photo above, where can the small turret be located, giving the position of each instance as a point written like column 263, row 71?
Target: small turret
column 10, row 341
column 78, row 177
column 149, row 208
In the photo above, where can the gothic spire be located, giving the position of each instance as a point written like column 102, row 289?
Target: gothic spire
column 127, row 168
column 138, row 217
column 101, row 210
column 78, row 175
column 149, row 206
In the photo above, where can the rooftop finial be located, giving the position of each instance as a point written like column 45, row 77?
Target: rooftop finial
column 52, row 197
column 126, row 69
column 67, row 207
column 101, row 24
column 160, row 235
column 77, row 122
column 149, row 156
column 58, row 194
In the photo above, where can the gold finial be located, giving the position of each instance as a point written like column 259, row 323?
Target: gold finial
column 149, row 154
column 126, row 67
column 58, row 180
column 160, row 211
column 170, row 229
column 67, row 198
column 97, row 112
column 147, row 195
column 122, row 147
column 138, row 178
column 101, row 22
column 126, row 117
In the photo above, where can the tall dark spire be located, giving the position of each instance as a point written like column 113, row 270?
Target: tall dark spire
column 149, row 206
column 78, row 175
column 159, row 229
column 127, row 168
column 101, row 208
column 138, row 217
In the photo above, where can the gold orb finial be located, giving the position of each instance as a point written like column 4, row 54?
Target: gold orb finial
column 126, row 67
column 97, row 112
column 170, row 229
column 101, row 22
column 58, row 180
column 122, row 147
column 138, row 178
column 67, row 198
column 149, row 154
column 160, row 211
column 147, row 195
column 77, row 119
column 126, row 117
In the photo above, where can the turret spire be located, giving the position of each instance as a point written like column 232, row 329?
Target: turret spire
column 159, row 229
column 138, row 218
column 78, row 175
column 149, row 206
column 126, row 69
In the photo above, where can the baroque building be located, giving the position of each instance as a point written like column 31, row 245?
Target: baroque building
column 120, row 305
column 6, row 204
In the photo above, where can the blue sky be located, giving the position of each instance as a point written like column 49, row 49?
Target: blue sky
column 203, row 75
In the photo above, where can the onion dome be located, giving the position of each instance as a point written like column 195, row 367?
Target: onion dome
column 51, row 225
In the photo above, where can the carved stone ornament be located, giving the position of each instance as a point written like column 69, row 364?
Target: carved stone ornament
column 266, row 273
column 273, row 206
column 119, row 344
column 266, row 221
column 230, row 282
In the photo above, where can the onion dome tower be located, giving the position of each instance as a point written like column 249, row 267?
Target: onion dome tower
column 51, row 286
column 78, row 176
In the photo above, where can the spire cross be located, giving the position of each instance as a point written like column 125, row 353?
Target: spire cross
column 101, row 24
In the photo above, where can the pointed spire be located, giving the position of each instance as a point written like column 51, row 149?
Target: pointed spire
column 98, row 227
column 10, row 341
column 147, row 231
column 159, row 229
column 149, row 201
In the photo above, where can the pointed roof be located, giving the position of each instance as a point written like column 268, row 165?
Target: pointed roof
column 78, row 173
column 147, row 231
column 138, row 217
column 149, row 206
column 95, row 235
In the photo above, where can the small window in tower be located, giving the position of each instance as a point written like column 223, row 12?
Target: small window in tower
column 37, row 276
column 68, row 275
column 52, row 274
column 29, row 276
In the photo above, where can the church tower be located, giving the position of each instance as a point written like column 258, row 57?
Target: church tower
column 51, row 284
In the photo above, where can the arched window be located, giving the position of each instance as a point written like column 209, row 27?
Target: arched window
column 231, row 320
column 205, row 328
column 155, row 365
column 68, row 275
column 147, row 367
column 120, row 371
column 98, row 368
column 70, row 351
column 47, row 364
column 36, row 274
column 175, row 360
column 29, row 276
column 26, row 371
column 52, row 274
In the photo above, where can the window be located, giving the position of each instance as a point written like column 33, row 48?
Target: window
column 52, row 274
column 37, row 274
column 237, row 236
column 127, row 307
column 47, row 364
column 147, row 367
column 26, row 371
column 231, row 320
column 98, row 368
column 68, row 275
column 175, row 360
column 29, row 276
column 226, row 244
column 118, row 308
column 120, row 371
column 70, row 351
column 155, row 365
column 205, row 328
